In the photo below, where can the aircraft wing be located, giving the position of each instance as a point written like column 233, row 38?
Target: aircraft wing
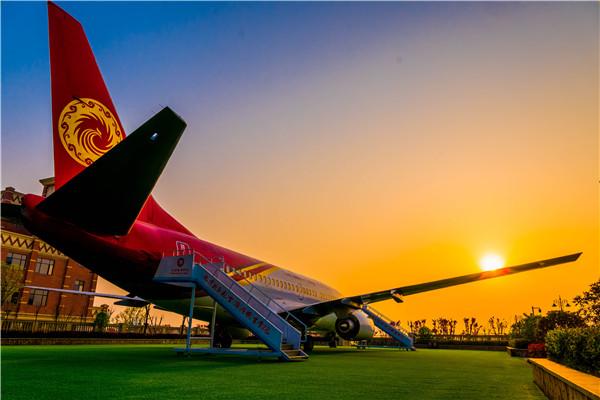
column 397, row 293
column 128, row 301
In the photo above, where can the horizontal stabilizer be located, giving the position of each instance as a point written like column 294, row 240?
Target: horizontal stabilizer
column 130, row 300
column 106, row 197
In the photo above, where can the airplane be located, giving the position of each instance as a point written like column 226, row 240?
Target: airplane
column 103, row 215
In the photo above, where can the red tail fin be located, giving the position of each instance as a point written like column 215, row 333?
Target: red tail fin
column 85, row 122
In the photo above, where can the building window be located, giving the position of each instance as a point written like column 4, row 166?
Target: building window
column 44, row 266
column 78, row 285
column 16, row 259
column 38, row 297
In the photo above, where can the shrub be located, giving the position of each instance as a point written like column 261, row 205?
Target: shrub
column 578, row 348
column 102, row 320
column 536, row 350
column 518, row 343
column 425, row 334
column 525, row 331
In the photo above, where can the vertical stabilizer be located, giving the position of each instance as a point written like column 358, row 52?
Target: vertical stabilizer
column 85, row 123
column 84, row 120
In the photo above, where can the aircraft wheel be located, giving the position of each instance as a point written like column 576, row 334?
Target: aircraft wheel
column 226, row 340
column 332, row 342
column 308, row 344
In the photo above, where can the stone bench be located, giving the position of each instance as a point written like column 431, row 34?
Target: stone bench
column 561, row 383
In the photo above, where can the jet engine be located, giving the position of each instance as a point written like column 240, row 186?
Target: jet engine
column 356, row 326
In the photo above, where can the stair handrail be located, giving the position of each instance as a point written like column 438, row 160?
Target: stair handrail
column 271, row 312
column 388, row 320
column 287, row 326
column 270, row 299
column 221, row 259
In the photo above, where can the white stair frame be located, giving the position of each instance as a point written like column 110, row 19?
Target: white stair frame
column 252, row 313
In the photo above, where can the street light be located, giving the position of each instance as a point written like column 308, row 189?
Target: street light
column 561, row 303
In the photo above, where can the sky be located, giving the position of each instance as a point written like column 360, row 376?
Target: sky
column 369, row 146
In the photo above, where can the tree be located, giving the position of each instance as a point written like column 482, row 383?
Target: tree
column 492, row 323
column 102, row 317
column 526, row 328
column 425, row 333
column 131, row 316
column 533, row 328
column 558, row 319
column 11, row 283
column 589, row 304
column 501, row 325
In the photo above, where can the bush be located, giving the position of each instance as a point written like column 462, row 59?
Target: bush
column 424, row 334
column 526, row 329
column 101, row 321
column 518, row 343
column 537, row 350
column 578, row 348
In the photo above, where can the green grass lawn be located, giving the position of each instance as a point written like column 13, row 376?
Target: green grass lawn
column 155, row 372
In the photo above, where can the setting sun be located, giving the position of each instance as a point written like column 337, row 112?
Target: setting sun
column 490, row 262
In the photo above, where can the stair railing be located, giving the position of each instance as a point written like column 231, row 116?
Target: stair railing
column 264, row 298
column 388, row 320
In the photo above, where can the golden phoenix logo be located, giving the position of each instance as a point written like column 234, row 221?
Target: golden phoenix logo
column 88, row 129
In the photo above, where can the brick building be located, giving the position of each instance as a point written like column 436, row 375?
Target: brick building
column 44, row 266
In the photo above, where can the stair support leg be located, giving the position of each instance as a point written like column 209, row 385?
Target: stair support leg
column 188, row 339
column 213, row 324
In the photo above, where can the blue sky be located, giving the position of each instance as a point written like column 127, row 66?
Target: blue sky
column 212, row 55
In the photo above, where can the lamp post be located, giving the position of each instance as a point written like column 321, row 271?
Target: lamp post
column 535, row 308
column 560, row 303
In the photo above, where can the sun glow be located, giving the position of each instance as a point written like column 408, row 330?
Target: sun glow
column 490, row 262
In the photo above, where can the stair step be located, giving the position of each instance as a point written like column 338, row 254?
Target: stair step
column 296, row 355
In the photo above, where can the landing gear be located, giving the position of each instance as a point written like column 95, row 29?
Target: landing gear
column 332, row 342
column 308, row 344
column 226, row 340
column 222, row 339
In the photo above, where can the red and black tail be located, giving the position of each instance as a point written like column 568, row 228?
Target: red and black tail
column 85, row 122
column 85, row 127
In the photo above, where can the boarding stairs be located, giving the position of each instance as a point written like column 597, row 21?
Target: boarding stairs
column 384, row 323
column 278, row 329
